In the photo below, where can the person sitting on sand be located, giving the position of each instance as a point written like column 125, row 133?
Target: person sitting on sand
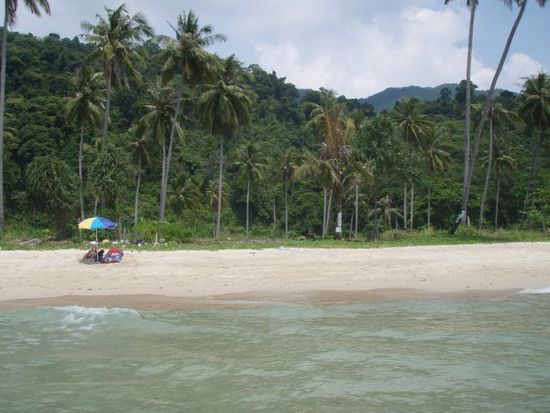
column 91, row 254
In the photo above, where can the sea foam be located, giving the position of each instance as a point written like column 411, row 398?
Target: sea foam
column 535, row 291
column 86, row 318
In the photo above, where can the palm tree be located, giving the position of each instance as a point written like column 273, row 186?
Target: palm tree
column 186, row 195
column 335, row 129
column 115, row 38
column 159, row 119
column 498, row 116
column 288, row 171
column 485, row 111
column 185, row 55
column 472, row 5
column 140, row 150
column 250, row 164
column 10, row 13
column 359, row 173
column 502, row 162
column 437, row 158
column 408, row 116
column 223, row 108
column 535, row 111
column 330, row 123
column 84, row 109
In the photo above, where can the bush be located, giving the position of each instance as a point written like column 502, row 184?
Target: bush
column 148, row 230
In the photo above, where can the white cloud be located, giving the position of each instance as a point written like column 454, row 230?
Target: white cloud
column 355, row 47
column 518, row 67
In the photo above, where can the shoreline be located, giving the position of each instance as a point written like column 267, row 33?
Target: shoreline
column 164, row 303
column 195, row 279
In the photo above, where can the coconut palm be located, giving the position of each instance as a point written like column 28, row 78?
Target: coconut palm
column 408, row 116
column 223, row 108
column 487, row 104
column 502, row 162
column 329, row 122
column 159, row 119
column 185, row 195
column 357, row 174
column 140, row 150
column 185, row 55
column 335, row 129
column 324, row 174
column 84, row 109
column 535, row 111
column 437, row 158
column 498, row 117
column 288, row 171
column 472, row 5
column 250, row 163
column 115, row 38
column 36, row 7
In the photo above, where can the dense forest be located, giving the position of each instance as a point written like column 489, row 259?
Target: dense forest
column 166, row 138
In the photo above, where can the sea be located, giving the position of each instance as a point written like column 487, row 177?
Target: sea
column 461, row 354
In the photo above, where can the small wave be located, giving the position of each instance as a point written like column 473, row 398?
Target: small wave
column 86, row 318
column 535, row 291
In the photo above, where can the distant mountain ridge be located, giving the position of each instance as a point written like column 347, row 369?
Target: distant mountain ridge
column 387, row 98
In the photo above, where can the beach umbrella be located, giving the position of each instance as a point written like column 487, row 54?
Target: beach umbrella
column 96, row 223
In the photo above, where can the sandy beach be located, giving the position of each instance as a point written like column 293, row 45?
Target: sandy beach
column 174, row 279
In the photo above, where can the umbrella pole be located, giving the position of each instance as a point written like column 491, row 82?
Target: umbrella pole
column 96, row 248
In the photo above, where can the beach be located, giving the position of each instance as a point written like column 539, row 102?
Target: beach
column 163, row 280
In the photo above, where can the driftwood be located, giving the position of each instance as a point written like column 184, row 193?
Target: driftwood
column 35, row 241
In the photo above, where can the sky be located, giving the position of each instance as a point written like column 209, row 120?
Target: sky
column 356, row 47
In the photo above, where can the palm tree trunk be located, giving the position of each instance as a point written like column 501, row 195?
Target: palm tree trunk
column 274, row 217
column 356, row 209
column 286, row 208
column 496, row 202
column 95, row 205
column 220, row 181
column 105, row 137
column 162, row 201
column 412, row 205
column 351, row 224
column 324, row 212
column 164, row 186
column 485, row 111
column 80, row 149
column 487, row 174
column 467, row 122
column 2, row 106
column 247, row 205
column 405, row 205
column 329, row 206
column 429, row 205
column 338, row 229
column 534, row 166
column 136, row 202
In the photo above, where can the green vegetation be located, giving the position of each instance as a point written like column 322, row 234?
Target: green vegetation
column 177, row 144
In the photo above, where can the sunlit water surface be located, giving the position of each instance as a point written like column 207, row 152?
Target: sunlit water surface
column 435, row 355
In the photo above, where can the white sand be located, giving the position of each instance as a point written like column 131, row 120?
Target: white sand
column 39, row 274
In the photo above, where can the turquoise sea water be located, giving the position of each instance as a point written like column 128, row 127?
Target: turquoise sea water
column 434, row 355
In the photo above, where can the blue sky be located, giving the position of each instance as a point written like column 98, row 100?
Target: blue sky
column 357, row 47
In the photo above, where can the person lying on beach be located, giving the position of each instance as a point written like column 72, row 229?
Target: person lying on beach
column 112, row 256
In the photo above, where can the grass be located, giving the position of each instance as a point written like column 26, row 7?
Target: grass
column 388, row 239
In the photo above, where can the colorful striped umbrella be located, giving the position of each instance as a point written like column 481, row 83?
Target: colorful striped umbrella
column 96, row 223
